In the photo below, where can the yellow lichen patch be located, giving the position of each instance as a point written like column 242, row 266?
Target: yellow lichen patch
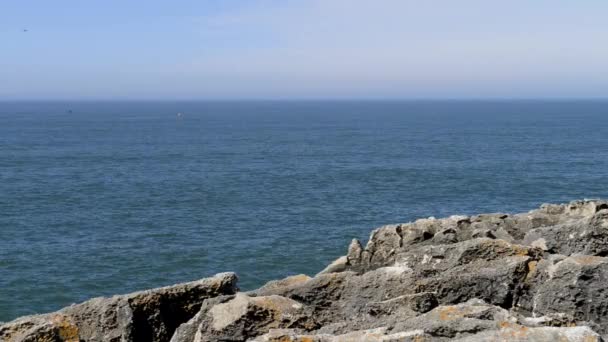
column 532, row 265
column 521, row 251
column 591, row 339
column 587, row 259
column 512, row 331
column 497, row 248
column 518, row 250
column 511, row 249
column 68, row 331
column 449, row 313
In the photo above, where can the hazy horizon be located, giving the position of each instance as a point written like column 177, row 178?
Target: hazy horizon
column 305, row 99
column 303, row 50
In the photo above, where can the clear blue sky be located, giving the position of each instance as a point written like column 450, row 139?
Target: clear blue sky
column 197, row 49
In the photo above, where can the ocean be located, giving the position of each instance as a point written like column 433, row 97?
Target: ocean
column 102, row 198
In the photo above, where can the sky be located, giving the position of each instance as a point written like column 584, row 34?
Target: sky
column 271, row 49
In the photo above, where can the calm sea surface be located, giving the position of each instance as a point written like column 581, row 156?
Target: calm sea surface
column 107, row 198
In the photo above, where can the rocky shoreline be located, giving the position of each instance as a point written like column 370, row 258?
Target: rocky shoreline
column 535, row 276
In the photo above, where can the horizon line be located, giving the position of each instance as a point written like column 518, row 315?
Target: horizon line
column 312, row 99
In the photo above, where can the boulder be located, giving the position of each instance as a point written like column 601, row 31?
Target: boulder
column 586, row 235
column 244, row 317
column 151, row 315
column 575, row 286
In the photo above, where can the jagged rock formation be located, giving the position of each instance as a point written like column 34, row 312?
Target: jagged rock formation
column 536, row 276
column 141, row 316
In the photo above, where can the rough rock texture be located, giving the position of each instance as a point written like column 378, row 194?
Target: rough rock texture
column 244, row 317
column 536, row 276
column 141, row 316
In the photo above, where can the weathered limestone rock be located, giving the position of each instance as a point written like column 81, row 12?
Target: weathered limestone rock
column 371, row 335
column 470, row 321
column 576, row 286
column 280, row 286
column 535, row 276
column 51, row 327
column 477, row 321
column 386, row 242
column 338, row 265
column 151, row 315
column 244, row 317
column 513, row 333
column 458, row 320
column 587, row 235
column 187, row 331
column 521, row 333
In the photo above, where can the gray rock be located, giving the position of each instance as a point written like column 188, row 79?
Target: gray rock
column 470, row 321
column 338, row 265
column 459, row 320
column 535, row 276
column 188, row 330
column 280, row 286
column 151, row 315
column 461, row 277
column 244, row 317
column 575, row 286
column 370, row 335
column 51, row 327
column 513, row 333
column 586, row 235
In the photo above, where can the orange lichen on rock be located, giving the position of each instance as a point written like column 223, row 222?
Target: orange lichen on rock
column 449, row 313
column 67, row 330
column 532, row 266
column 588, row 259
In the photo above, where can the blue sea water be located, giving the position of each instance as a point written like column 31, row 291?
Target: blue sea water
column 101, row 198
